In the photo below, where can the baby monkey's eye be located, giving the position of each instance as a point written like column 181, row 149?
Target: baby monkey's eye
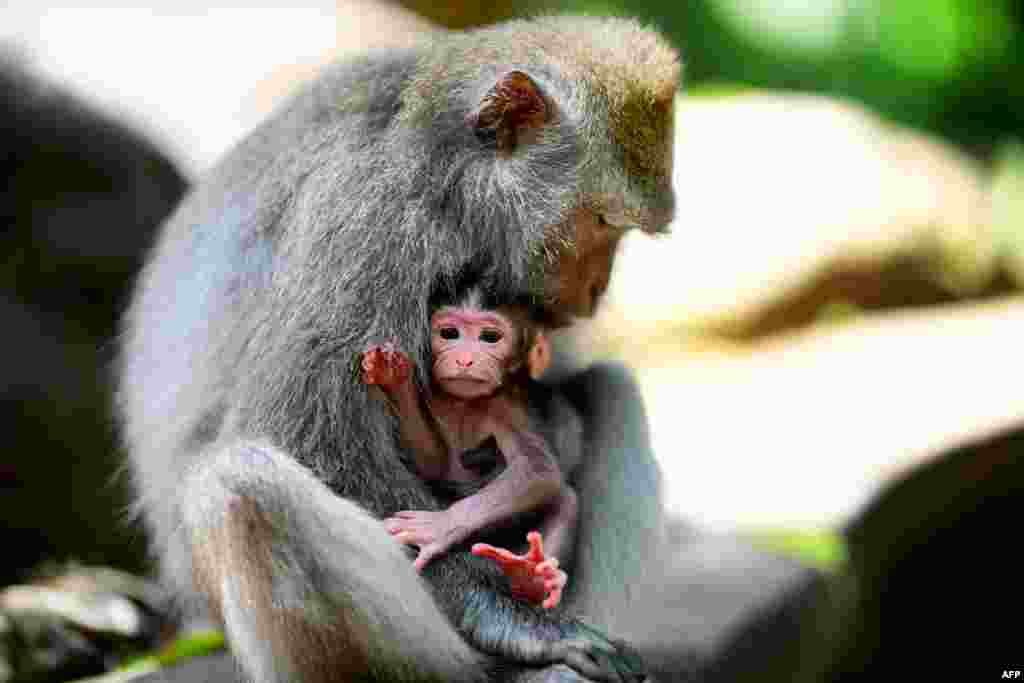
column 449, row 333
column 490, row 336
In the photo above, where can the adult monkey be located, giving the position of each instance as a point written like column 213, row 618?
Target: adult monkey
column 521, row 152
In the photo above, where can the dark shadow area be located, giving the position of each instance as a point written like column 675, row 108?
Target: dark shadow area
column 82, row 196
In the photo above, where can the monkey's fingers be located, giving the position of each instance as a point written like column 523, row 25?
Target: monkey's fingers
column 554, row 581
column 536, row 551
column 407, row 538
column 614, row 660
column 500, row 555
column 592, row 666
column 427, row 553
column 547, row 567
column 553, row 587
column 549, row 571
column 384, row 365
column 399, row 364
column 410, row 533
column 554, row 597
column 373, row 366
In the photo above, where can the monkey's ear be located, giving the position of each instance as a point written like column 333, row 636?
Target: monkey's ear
column 512, row 105
column 539, row 358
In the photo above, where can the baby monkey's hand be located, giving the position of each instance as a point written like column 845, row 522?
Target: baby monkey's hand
column 386, row 367
column 532, row 576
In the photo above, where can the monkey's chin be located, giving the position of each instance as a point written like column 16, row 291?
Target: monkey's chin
column 467, row 387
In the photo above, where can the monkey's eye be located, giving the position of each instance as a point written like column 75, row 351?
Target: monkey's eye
column 490, row 336
column 449, row 333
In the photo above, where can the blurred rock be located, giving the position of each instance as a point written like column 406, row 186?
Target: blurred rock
column 766, row 408
column 1008, row 209
column 77, row 622
column 789, row 202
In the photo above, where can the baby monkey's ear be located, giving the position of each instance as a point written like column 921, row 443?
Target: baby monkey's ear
column 539, row 357
column 513, row 105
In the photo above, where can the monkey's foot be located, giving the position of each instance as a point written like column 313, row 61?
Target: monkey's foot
column 532, row 576
column 433, row 532
column 385, row 366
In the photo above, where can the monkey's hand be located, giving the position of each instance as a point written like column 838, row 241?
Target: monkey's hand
column 532, row 576
column 583, row 648
column 598, row 657
column 386, row 367
column 435, row 532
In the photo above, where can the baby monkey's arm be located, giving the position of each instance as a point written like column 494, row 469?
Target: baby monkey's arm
column 391, row 371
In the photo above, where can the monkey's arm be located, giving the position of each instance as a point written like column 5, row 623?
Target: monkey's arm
column 531, row 479
column 391, row 370
column 558, row 526
column 419, row 433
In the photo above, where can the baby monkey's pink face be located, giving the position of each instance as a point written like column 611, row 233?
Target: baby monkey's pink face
column 474, row 350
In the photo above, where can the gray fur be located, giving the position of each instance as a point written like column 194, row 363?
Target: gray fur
column 322, row 233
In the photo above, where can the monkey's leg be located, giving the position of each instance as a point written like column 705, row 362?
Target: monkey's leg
column 619, row 513
column 308, row 586
column 688, row 602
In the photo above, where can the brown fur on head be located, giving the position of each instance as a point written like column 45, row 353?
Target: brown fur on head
column 607, row 85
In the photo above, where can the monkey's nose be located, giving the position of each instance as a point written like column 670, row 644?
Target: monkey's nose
column 465, row 361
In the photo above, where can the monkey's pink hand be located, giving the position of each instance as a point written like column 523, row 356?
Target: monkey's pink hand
column 532, row 576
column 385, row 366
column 431, row 531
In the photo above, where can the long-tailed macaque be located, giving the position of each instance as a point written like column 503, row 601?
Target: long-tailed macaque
column 264, row 467
column 485, row 361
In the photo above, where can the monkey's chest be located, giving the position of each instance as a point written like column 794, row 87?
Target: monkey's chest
column 472, row 459
column 468, row 436
column 469, row 471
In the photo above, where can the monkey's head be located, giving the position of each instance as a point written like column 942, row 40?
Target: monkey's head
column 480, row 342
column 556, row 140
column 475, row 351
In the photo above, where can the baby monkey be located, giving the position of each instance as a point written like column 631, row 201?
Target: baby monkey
column 484, row 395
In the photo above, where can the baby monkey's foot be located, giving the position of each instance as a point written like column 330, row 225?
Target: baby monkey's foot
column 385, row 366
column 431, row 531
column 533, row 577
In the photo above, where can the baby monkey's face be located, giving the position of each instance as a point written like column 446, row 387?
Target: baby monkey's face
column 474, row 350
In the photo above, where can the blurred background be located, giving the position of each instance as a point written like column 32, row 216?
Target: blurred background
column 829, row 342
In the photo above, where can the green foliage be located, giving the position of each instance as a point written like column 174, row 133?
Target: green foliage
column 951, row 67
column 823, row 549
column 196, row 644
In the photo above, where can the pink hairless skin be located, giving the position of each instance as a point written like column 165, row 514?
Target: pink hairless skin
column 483, row 362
